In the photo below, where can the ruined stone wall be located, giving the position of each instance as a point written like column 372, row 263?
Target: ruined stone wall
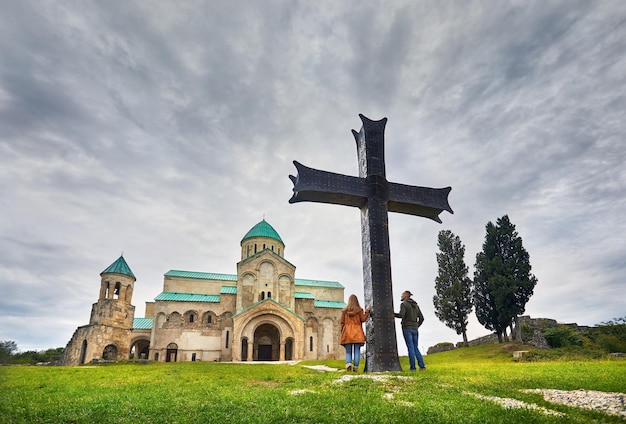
column 97, row 338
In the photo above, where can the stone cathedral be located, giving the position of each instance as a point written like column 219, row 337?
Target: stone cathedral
column 262, row 313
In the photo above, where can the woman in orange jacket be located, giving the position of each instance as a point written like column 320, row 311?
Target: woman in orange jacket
column 352, row 335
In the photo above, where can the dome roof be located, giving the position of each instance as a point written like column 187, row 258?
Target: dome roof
column 262, row 229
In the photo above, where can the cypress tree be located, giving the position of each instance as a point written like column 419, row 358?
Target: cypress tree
column 503, row 283
column 452, row 302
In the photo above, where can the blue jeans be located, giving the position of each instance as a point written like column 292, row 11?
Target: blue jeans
column 356, row 347
column 410, row 337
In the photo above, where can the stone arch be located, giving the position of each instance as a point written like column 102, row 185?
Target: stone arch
column 287, row 325
column 171, row 353
column 190, row 317
column 311, row 335
column 265, row 282
column 266, row 342
column 248, row 280
column 209, row 318
column 289, row 346
column 161, row 318
column 140, row 348
column 285, row 290
column 328, row 338
column 226, row 320
column 109, row 353
column 174, row 320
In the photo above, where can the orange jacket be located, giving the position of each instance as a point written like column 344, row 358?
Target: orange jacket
column 352, row 326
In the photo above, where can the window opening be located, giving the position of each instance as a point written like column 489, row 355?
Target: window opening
column 311, row 344
column 193, row 357
column 227, row 337
column 269, row 294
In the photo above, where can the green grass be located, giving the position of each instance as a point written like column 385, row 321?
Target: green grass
column 195, row 392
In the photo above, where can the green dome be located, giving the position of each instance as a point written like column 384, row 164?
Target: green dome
column 262, row 229
column 119, row 267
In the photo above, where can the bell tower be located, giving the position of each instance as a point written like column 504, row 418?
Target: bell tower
column 114, row 306
column 107, row 337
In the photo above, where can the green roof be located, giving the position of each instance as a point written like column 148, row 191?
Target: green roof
column 188, row 297
column 262, row 229
column 142, row 324
column 228, row 290
column 318, row 283
column 201, row 275
column 119, row 267
column 329, row 304
column 302, row 295
column 233, row 277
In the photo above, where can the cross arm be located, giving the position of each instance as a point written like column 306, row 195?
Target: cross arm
column 419, row 201
column 313, row 185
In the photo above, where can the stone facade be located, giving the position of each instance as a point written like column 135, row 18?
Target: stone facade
column 262, row 313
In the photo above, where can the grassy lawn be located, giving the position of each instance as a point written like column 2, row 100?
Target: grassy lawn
column 454, row 388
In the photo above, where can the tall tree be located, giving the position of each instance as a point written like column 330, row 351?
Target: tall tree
column 7, row 349
column 452, row 302
column 503, row 283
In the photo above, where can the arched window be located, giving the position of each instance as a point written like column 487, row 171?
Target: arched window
column 191, row 317
column 311, row 343
column 262, row 295
column 244, row 349
column 209, row 319
column 254, row 247
column 269, row 294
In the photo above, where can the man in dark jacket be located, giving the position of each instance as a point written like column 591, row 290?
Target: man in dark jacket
column 412, row 318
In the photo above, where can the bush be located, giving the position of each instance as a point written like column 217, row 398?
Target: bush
column 562, row 336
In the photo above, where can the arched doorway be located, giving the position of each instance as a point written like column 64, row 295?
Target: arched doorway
column 110, row 353
column 288, row 349
column 172, row 352
column 140, row 349
column 267, row 343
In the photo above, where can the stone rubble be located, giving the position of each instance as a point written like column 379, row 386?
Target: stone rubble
column 514, row 403
column 607, row 402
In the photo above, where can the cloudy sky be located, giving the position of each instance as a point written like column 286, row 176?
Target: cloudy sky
column 166, row 130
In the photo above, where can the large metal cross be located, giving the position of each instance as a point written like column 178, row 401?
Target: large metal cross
column 375, row 196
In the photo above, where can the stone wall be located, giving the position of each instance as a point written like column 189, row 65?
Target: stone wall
column 532, row 334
